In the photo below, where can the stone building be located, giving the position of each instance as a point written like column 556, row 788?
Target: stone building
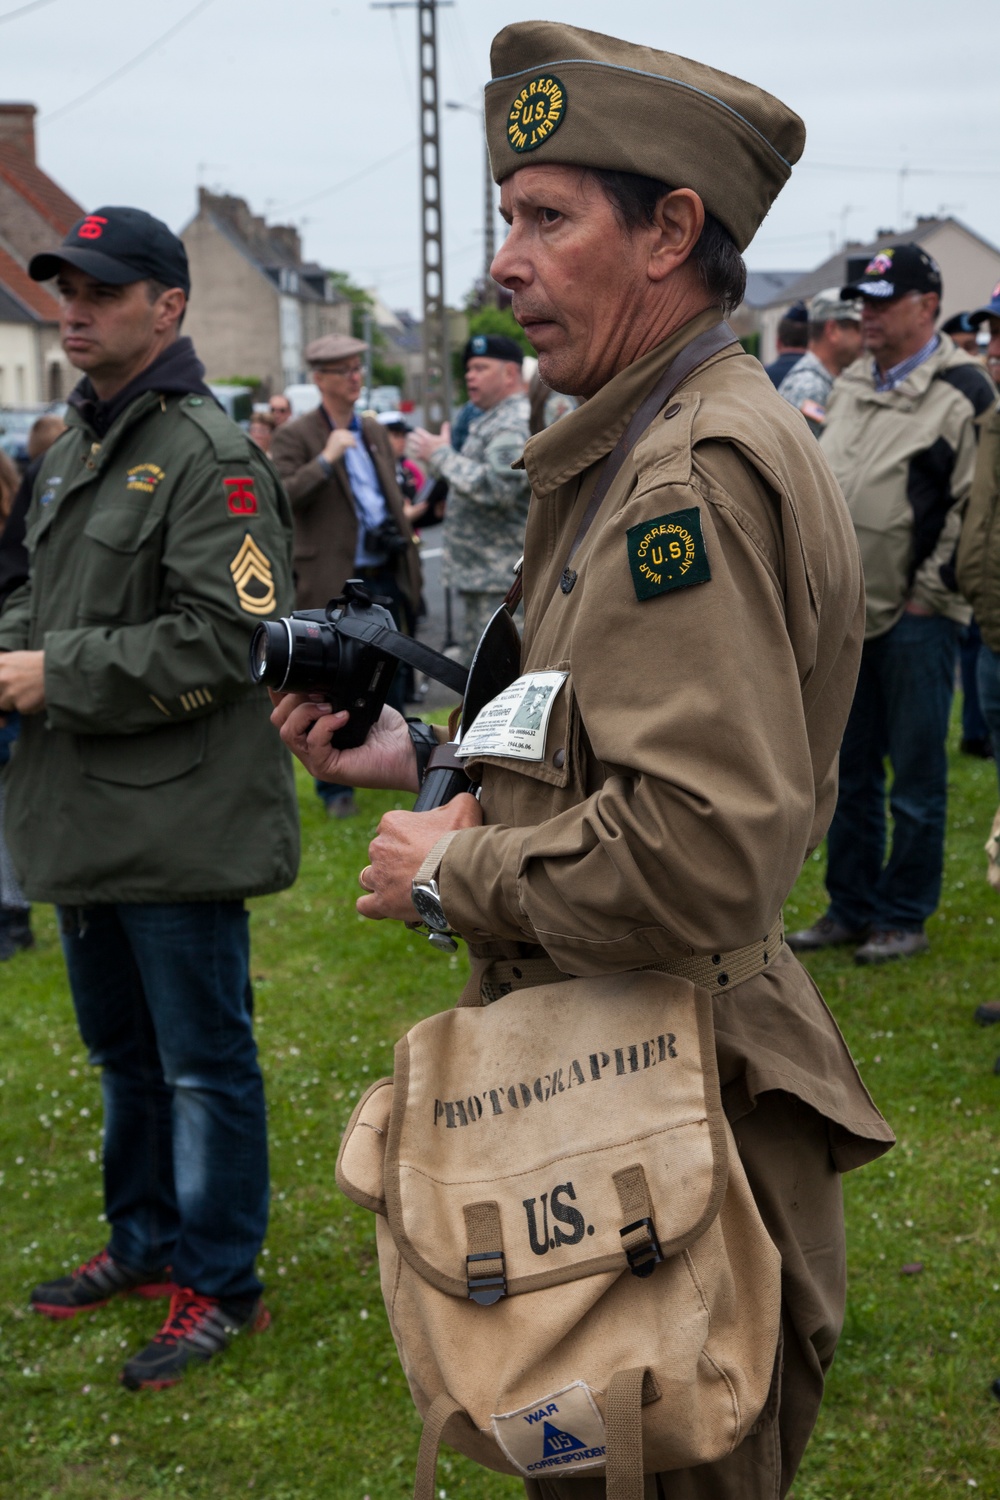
column 255, row 303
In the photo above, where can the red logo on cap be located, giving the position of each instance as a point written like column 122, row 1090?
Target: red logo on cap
column 91, row 228
column 240, row 496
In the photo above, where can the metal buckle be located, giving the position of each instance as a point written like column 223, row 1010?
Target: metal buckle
column 643, row 1258
column 486, row 1289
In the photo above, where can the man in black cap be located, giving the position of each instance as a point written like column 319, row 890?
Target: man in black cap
column 159, row 538
column 487, row 499
column 793, row 341
column 901, row 438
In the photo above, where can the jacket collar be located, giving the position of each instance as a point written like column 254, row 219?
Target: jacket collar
column 917, row 383
column 582, row 437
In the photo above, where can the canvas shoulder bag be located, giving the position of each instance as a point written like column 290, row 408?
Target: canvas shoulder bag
column 576, row 1275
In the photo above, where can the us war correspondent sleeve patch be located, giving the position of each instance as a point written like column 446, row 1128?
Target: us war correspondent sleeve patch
column 668, row 553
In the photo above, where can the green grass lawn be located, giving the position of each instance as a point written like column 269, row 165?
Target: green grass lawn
column 317, row 1407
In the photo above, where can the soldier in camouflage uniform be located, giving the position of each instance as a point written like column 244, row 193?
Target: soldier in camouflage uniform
column 834, row 343
column 487, row 500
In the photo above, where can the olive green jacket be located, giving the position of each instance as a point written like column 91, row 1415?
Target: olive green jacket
column 153, row 774
column 978, row 565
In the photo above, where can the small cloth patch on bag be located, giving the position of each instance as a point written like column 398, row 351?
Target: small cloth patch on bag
column 562, row 1434
column 668, row 553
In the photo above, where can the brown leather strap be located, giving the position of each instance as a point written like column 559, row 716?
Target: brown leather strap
column 444, row 755
column 441, row 1410
column 712, row 341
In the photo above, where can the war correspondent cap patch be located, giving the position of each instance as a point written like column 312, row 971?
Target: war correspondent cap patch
column 668, row 553
column 536, row 112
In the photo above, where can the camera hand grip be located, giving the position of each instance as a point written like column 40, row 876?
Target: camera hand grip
column 439, row 786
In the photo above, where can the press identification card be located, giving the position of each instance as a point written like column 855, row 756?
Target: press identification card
column 516, row 722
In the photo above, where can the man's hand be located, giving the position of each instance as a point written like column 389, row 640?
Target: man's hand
column 337, row 444
column 397, row 851
column 386, row 761
column 423, row 443
column 913, row 608
column 22, row 681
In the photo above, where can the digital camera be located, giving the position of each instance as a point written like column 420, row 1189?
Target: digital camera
column 331, row 651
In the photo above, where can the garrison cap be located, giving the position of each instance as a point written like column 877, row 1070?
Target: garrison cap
column 332, row 347
column 563, row 95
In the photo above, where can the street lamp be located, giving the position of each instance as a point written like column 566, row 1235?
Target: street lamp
column 489, row 221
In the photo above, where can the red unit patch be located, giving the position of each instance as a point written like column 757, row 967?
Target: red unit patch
column 240, row 496
column 92, row 228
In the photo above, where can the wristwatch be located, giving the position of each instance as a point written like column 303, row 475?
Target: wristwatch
column 426, row 896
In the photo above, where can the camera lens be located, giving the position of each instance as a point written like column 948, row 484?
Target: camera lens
column 270, row 652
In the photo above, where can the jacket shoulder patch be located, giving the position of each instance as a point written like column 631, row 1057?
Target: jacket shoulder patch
column 254, row 578
column 667, row 553
column 229, row 443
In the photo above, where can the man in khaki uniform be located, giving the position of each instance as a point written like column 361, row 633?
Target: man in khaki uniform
column 706, row 629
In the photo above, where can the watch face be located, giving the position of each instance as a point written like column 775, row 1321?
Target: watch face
column 429, row 906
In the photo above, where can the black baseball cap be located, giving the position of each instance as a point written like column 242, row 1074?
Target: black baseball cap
column 895, row 270
column 116, row 246
column 493, row 346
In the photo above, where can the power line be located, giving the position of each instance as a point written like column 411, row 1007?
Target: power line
column 22, row 10
column 284, row 208
column 826, row 166
column 132, row 63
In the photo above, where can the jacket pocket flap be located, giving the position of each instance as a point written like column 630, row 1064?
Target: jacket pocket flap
column 579, row 1122
column 123, row 528
column 143, row 759
column 361, row 1158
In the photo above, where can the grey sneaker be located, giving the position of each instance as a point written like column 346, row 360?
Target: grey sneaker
column 825, row 932
column 883, row 946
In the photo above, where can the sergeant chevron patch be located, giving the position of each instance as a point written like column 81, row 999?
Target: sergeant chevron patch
column 668, row 553
column 253, row 577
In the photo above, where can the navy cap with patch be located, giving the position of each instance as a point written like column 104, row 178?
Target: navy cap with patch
column 117, row 246
column 493, row 346
column 894, row 270
column 991, row 310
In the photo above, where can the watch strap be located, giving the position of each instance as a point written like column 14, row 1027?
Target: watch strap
column 432, row 863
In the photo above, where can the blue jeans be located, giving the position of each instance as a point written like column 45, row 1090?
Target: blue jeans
column 164, row 1005
column 988, row 683
column 974, row 726
column 900, row 712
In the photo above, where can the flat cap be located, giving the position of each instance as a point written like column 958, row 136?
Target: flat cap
column 563, row 95
column 333, row 346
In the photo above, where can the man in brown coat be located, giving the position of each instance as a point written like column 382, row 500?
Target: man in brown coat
column 703, row 623
column 339, row 472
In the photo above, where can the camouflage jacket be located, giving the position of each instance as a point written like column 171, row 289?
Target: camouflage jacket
column 487, row 500
column 809, row 380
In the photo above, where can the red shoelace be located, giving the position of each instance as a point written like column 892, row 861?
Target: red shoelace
column 187, row 1309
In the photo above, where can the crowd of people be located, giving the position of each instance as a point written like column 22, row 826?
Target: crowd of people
column 645, row 833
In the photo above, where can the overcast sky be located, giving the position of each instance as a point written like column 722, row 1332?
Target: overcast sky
column 309, row 111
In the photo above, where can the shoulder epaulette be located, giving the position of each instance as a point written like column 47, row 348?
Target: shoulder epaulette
column 229, row 442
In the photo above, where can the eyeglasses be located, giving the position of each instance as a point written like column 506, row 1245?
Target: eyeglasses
column 345, row 370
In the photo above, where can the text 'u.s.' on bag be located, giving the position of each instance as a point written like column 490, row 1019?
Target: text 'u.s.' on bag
column 575, row 1272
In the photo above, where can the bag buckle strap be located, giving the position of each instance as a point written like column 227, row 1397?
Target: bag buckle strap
column 483, row 1230
column 491, row 1285
column 642, row 1248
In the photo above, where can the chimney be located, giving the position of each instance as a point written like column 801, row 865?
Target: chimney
column 17, row 127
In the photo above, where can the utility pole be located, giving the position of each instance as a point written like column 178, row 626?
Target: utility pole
column 437, row 353
column 489, row 204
